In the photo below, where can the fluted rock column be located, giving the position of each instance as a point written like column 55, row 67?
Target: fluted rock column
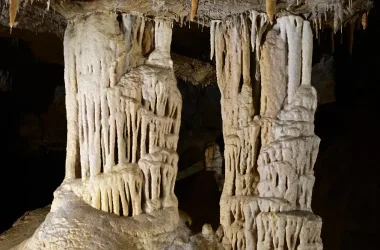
column 123, row 115
column 289, row 145
column 269, row 154
column 123, row 112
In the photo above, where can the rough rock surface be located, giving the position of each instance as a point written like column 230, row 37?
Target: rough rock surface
column 123, row 123
column 123, row 110
column 51, row 16
column 23, row 228
column 266, row 199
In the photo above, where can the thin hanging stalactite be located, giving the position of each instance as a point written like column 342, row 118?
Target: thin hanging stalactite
column 194, row 9
column 13, row 9
column 271, row 9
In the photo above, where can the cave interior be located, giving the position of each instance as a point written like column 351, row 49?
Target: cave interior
column 346, row 74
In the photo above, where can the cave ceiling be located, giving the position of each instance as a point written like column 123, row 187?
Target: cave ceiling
column 52, row 15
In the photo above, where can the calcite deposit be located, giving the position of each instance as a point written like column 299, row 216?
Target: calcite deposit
column 269, row 153
column 124, row 114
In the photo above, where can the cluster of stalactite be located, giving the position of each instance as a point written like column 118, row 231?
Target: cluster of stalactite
column 124, row 112
column 233, row 44
column 333, row 15
column 270, row 152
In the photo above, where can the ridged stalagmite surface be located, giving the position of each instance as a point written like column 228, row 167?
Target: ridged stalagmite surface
column 266, row 200
column 123, row 113
column 126, row 126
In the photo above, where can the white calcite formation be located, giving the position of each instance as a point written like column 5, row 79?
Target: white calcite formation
column 123, row 115
column 270, row 151
column 125, row 124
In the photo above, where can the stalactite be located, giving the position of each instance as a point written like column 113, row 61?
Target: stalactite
column 194, row 9
column 364, row 20
column 213, row 25
column 13, row 9
column 332, row 41
column 259, row 22
column 271, row 9
column 338, row 16
column 323, row 9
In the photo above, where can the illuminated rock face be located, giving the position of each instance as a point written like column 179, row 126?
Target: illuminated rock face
column 123, row 115
column 270, row 145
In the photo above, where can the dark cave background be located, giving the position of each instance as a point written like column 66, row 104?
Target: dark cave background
column 346, row 191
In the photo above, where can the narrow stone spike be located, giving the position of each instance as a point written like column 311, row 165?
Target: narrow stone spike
column 271, row 9
column 13, row 8
column 194, row 9
column 364, row 20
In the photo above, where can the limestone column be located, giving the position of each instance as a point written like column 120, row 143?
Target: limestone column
column 124, row 115
column 269, row 153
column 123, row 112
column 289, row 145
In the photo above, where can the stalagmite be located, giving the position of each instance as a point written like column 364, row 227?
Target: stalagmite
column 266, row 199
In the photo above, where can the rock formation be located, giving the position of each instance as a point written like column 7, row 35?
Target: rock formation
column 124, row 113
column 269, row 153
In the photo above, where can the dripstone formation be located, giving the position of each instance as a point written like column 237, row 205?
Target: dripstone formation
column 269, row 153
column 124, row 115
